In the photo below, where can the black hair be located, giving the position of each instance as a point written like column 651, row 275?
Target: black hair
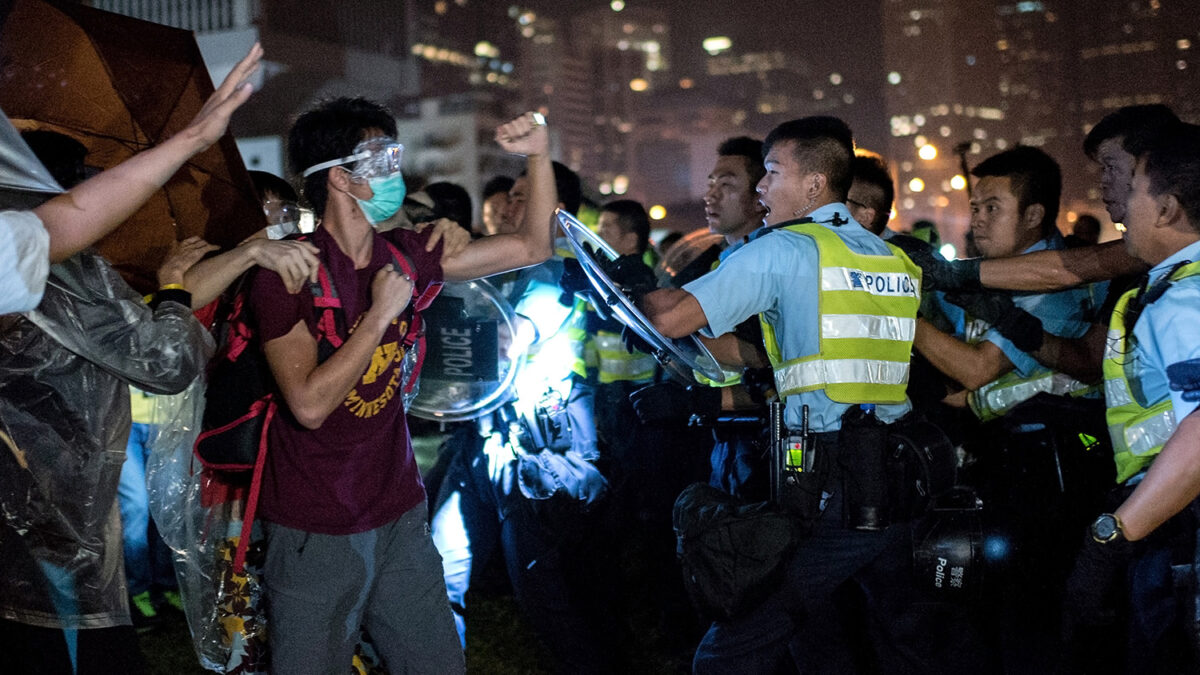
column 329, row 131
column 1129, row 124
column 268, row 182
column 1035, row 179
column 568, row 186
column 823, row 144
column 633, row 218
column 497, row 185
column 1086, row 223
column 668, row 240
column 873, row 170
column 1172, row 164
column 60, row 154
column 751, row 149
column 451, row 201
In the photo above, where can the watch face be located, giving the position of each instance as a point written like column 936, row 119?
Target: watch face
column 1105, row 528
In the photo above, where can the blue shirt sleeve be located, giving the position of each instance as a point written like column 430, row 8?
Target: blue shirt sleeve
column 752, row 280
column 1174, row 327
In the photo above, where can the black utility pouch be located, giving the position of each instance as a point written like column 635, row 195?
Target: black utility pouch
column 863, row 458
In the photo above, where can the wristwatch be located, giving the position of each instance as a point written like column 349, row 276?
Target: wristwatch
column 1107, row 529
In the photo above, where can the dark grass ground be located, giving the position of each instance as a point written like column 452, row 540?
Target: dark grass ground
column 498, row 640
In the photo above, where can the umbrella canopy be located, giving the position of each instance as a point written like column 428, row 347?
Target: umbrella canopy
column 120, row 85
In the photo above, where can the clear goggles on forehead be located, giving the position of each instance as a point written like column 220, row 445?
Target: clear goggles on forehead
column 372, row 158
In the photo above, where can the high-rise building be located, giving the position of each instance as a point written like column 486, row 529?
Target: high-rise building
column 981, row 76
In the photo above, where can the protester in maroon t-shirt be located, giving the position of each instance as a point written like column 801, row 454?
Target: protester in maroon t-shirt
column 342, row 502
column 356, row 471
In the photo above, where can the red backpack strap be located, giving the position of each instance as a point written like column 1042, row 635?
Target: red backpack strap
column 328, row 303
column 239, row 556
column 422, row 301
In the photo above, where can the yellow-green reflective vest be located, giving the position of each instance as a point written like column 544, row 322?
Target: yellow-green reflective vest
column 868, row 307
column 617, row 364
column 604, row 351
column 581, row 346
column 1138, row 432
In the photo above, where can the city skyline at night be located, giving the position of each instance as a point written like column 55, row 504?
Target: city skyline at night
column 640, row 93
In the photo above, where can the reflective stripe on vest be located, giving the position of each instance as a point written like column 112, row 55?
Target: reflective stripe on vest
column 1138, row 432
column 617, row 364
column 581, row 343
column 1002, row 394
column 867, row 306
column 994, row 399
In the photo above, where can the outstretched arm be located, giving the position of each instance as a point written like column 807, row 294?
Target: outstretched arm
column 1056, row 270
column 533, row 242
column 674, row 312
column 92, row 209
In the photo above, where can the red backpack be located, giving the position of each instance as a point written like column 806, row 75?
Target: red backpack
column 240, row 396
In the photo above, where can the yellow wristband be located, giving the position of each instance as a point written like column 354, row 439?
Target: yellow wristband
column 172, row 287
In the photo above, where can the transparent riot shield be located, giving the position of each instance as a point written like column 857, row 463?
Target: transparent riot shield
column 680, row 355
column 473, row 353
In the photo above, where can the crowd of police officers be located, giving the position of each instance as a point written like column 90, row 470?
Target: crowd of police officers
column 983, row 465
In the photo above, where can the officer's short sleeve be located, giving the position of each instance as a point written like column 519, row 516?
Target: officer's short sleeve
column 24, row 260
column 744, row 284
column 1173, row 326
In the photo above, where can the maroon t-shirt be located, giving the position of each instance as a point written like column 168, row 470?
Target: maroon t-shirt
column 356, row 471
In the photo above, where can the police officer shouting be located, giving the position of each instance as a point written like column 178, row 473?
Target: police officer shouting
column 838, row 308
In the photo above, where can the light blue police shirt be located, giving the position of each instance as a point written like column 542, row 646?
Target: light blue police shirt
column 1167, row 332
column 778, row 275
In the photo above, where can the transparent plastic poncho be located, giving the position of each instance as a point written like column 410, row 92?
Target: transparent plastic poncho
column 64, row 416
